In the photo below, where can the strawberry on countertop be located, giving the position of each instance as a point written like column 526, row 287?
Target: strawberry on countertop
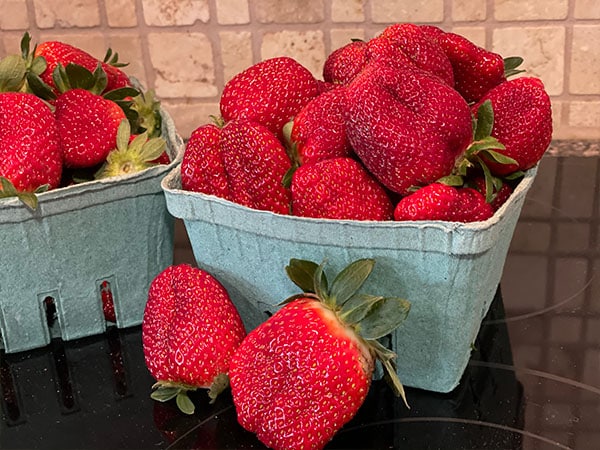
column 300, row 376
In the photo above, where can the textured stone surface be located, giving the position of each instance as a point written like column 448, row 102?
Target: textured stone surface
column 130, row 51
column 13, row 15
column 587, row 9
column 474, row 34
column 542, row 49
column 57, row 13
column 584, row 114
column 384, row 11
column 307, row 47
column 232, row 11
column 183, row 65
column 347, row 11
column 121, row 13
column 530, row 9
column 175, row 12
column 585, row 60
column 236, row 52
column 342, row 36
column 289, row 11
column 468, row 10
column 189, row 115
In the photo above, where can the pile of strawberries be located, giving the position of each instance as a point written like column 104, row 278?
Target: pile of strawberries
column 414, row 124
column 68, row 117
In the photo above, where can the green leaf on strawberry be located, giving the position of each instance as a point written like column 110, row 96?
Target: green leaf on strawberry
column 29, row 199
column 510, row 66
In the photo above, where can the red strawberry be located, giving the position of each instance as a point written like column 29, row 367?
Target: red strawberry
column 87, row 125
column 499, row 195
column 319, row 130
column 405, row 44
column 343, row 64
column 270, row 92
column 56, row 52
column 202, row 166
column 108, row 304
column 476, row 70
column 300, row 376
column 522, row 122
column 438, row 201
column 255, row 162
column 339, row 188
column 30, row 154
column 406, row 126
column 190, row 330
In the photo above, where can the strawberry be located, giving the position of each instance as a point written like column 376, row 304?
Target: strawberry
column 190, row 329
column 270, row 92
column 108, row 304
column 343, row 64
column 405, row 44
column 500, row 192
column 60, row 53
column 297, row 378
column 438, row 201
column 475, row 69
column 202, row 166
column 30, row 154
column 87, row 126
column 522, row 122
column 406, row 126
column 319, row 130
column 255, row 162
column 338, row 188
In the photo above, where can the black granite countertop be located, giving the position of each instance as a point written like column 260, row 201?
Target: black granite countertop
column 532, row 382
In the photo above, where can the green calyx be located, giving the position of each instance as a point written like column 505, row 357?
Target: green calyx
column 511, row 65
column 21, row 73
column 482, row 149
column 29, row 199
column 370, row 317
column 112, row 58
column 145, row 114
column 131, row 157
column 163, row 391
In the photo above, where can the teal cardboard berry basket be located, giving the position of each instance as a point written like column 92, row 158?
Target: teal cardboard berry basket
column 448, row 271
column 55, row 259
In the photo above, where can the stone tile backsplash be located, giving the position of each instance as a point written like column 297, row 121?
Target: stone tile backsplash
column 186, row 50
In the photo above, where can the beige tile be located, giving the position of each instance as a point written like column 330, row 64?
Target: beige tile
column 347, row 11
column 542, row 48
column 517, row 10
column 474, row 34
column 384, row 11
column 585, row 60
column 121, row 13
column 289, row 11
column 14, row 15
column 232, row 12
column 468, row 10
column 342, row 36
column 129, row 48
column 587, row 9
column 307, row 47
column 175, row 12
column 584, row 114
column 189, row 114
column 183, row 65
column 236, row 52
column 58, row 13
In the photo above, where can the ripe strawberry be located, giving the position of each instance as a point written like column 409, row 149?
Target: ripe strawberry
column 438, row 201
column 499, row 194
column 319, row 130
column 270, row 92
column 406, row 126
column 339, row 188
column 56, row 52
column 202, row 166
column 87, row 126
column 300, row 376
column 30, row 154
column 190, row 329
column 343, row 64
column 108, row 304
column 405, row 44
column 522, row 122
column 476, row 70
column 255, row 162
